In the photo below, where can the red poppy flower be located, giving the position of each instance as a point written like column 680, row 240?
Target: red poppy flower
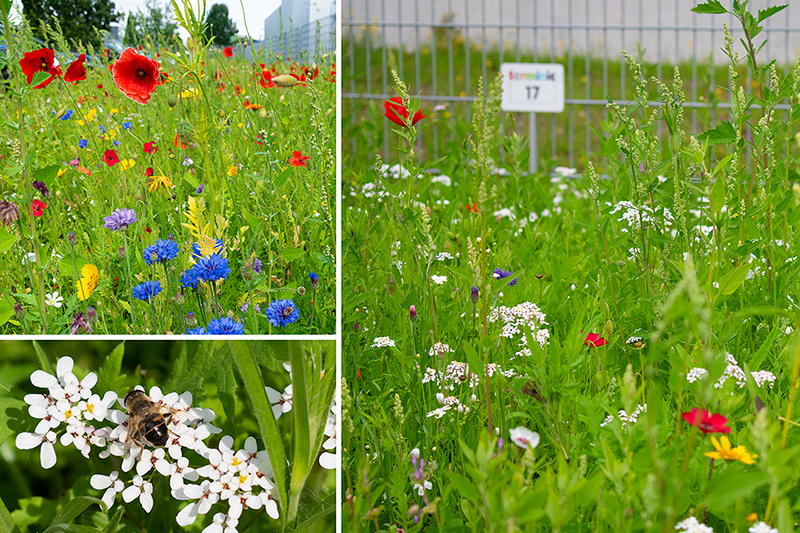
column 179, row 141
column 473, row 208
column 99, row 85
column 37, row 208
column 148, row 171
column 136, row 75
column 593, row 339
column 298, row 160
column 228, row 52
column 39, row 61
column 75, row 70
column 397, row 112
column 163, row 78
column 150, row 147
column 706, row 422
column 265, row 81
column 110, row 158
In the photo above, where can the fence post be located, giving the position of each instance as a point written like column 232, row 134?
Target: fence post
column 533, row 144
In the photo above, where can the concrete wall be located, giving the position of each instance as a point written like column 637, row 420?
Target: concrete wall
column 666, row 29
column 299, row 19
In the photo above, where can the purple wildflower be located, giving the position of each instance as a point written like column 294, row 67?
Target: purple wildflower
column 119, row 219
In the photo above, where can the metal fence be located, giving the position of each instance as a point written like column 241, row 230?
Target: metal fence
column 435, row 47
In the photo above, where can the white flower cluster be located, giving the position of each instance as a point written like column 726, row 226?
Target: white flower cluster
column 637, row 216
column 443, row 179
column 443, row 256
column 733, row 370
column 691, row 525
column 527, row 315
column 439, row 280
column 439, row 349
column 241, row 477
column 68, row 402
column 394, row 171
column 382, row 342
column 624, row 417
column 762, row 527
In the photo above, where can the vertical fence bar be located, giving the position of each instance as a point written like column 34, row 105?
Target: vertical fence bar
column 694, row 71
column 571, row 77
column 417, row 78
column 400, row 45
column 451, row 67
column 605, row 58
column 622, row 43
column 466, row 58
column 659, row 73
column 352, row 52
column 384, row 74
column 434, row 91
column 552, row 60
column 588, row 94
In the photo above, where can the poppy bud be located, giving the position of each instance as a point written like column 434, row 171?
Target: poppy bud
column 61, row 112
column 412, row 313
column 609, row 327
column 172, row 100
column 284, row 80
column 186, row 131
column 189, row 43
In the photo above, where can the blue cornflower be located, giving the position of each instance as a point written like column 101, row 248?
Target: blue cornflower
column 115, row 143
column 196, row 331
column 200, row 189
column 314, row 280
column 474, row 294
column 191, row 278
column 282, row 312
column 82, row 143
column 499, row 273
column 102, row 129
column 127, row 125
column 213, row 267
column 146, row 290
column 513, row 282
column 225, row 326
column 67, row 115
column 246, row 306
column 197, row 253
column 164, row 250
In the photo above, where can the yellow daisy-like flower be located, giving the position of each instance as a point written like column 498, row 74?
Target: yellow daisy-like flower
column 189, row 93
column 125, row 164
column 232, row 170
column 88, row 282
column 61, row 172
column 114, row 110
column 157, row 181
column 724, row 451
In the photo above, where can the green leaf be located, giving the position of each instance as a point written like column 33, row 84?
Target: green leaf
column 71, row 511
column 114, row 522
column 7, row 524
column 464, row 485
column 733, row 279
column 226, row 387
column 7, row 240
column 38, row 78
column 11, row 410
column 65, row 267
column 45, row 174
column 6, row 311
column 43, row 359
column 108, row 377
column 191, row 179
column 712, row 7
column 764, row 14
column 724, row 133
column 290, row 254
column 281, row 178
column 731, row 484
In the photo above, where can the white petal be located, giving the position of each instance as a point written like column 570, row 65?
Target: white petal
column 43, row 380
column 226, row 444
column 36, row 399
column 156, row 394
column 100, row 482
column 130, row 493
column 272, row 395
column 191, row 492
column 164, row 468
column 277, row 410
column 271, row 506
column 187, row 515
column 253, row 502
column 47, row 455
column 328, row 461
column 146, row 499
column 44, row 426
column 109, row 497
column 213, row 528
column 235, row 510
column 89, row 381
column 64, row 366
column 27, row 441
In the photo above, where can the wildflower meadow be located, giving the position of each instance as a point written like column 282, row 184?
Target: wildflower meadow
column 179, row 189
column 615, row 350
column 248, row 436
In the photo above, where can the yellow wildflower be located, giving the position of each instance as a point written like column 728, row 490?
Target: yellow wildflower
column 156, row 181
column 189, row 93
column 125, row 164
column 232, row 170
column 724, row 451
column 114, row 110
column 89, row 278
column 61, row 172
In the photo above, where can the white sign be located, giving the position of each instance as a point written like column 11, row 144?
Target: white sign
column 533, row 87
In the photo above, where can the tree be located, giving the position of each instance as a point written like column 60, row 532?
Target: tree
column 77, row 17
column 131, row 37
column 220, row 24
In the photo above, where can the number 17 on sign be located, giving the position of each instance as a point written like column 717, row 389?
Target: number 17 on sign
column 534, row 88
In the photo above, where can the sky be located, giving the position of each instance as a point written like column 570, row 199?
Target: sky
column 256, row 10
